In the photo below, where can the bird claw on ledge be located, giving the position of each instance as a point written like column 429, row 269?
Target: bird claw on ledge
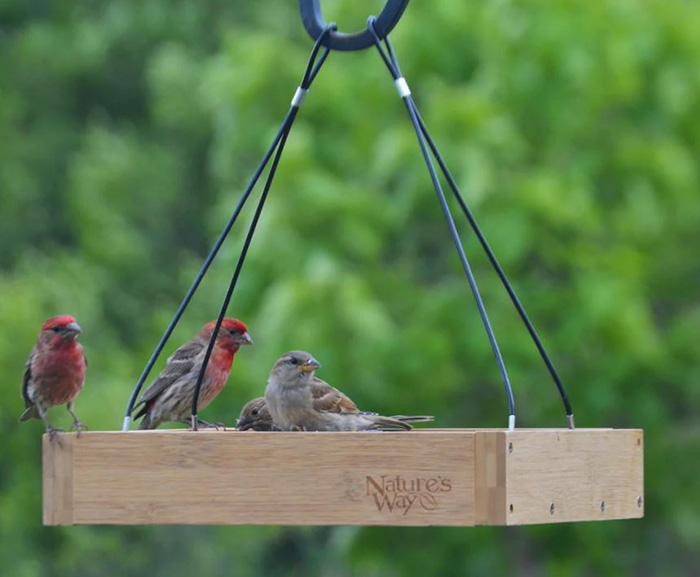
column 77, row 425
column 54, row 436
column 208, row 425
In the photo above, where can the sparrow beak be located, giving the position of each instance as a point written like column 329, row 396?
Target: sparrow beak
column 310, row 365
column 73, row 329
column 245, row 339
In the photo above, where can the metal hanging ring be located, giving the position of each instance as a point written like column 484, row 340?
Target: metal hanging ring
column 315, row 25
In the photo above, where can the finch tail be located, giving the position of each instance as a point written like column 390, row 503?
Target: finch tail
column 147, row 423
column 140, row 413
column 414, row 418
column 380, row 423
column 30, row 413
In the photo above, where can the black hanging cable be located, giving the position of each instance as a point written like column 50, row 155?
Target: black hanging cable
column 202, row 272
column 489, row 253
column 313, row 67
column 309, row 75
column 312, row 70
column 405, row 94
column 501, row 274
column 236, row 273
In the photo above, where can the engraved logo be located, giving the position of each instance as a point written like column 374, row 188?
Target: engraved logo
column 397, row 494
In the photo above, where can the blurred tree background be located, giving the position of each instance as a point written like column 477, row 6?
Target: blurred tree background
column 128, row 130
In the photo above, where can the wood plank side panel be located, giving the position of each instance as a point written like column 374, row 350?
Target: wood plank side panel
column 490, row 478
column 454, row 477
column 57, row 482
column 275, row 478
column 580, row 475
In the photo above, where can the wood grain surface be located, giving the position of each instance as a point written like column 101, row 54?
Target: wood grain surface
column 459, row 477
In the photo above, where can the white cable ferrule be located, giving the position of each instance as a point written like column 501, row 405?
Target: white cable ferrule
column 125, row 426
column 402, row 87
column 511, row 422
column 570, row 421
column 299, row 97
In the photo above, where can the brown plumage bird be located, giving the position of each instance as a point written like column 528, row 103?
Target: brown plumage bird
column 299, row 401
column 169, row 398
column 255, row 416
column 55, row 372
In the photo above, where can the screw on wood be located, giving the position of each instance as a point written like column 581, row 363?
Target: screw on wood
column 510, row 447
column 602, row 506
column 639, row 501
column 511, row 507
column 551, row 508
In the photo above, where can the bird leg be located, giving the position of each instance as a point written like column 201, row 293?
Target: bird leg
column 204, row 424
column 208, row 425
column 52, row 431
column 76, row 423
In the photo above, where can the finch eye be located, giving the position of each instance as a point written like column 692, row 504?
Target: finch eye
column 254, row 412
column 56, row 329
column 294, row 360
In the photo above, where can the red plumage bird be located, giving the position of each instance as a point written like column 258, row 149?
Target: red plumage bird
column 55, row 372
column 169, row 398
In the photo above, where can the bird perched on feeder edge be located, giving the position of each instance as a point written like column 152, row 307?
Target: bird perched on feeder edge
column 298, row 401
column 54, row 372
column 169, row 398
column 255, row 416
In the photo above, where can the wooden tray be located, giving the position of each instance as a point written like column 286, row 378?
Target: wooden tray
column 461, row 477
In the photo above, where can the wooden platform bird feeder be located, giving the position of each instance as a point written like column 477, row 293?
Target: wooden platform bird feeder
column 456, row 477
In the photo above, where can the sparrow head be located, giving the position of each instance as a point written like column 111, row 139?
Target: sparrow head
column 295, row 367
column 60, row 329
column 232, row 334
column 255, row 416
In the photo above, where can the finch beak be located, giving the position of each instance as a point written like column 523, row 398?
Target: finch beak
column 310, row 365
column 73, row 329
column 245, row 339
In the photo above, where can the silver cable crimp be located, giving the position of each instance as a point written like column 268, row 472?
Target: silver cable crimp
column 299, row 97
column 402, row 87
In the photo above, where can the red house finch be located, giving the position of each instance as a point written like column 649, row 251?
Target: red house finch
column 169, row 398
column 55, row 372
column 298, row 401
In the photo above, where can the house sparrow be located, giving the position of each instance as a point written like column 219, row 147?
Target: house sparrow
column 255, row 416
column 298, row 401
column 169, row 398
column 55, row 372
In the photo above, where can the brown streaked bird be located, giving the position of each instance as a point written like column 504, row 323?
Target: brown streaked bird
column 169, row 398
column 55, row 372
column 255, row 416
column 299, row 401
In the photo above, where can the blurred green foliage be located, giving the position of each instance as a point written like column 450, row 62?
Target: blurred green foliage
column 128, row 130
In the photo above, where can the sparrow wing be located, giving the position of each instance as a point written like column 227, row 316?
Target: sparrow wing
column 328, row 399
column 179, row 364
column 27, row 378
